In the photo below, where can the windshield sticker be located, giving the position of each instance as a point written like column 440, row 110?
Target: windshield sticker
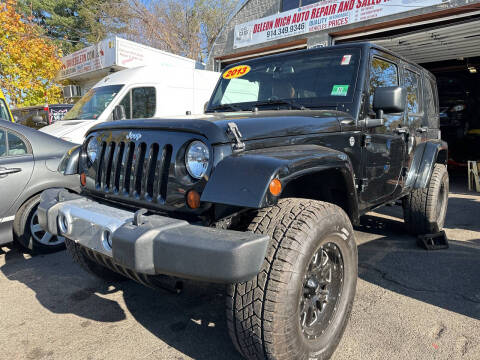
column 236, row 72
column 339, row 90
column 346, row 59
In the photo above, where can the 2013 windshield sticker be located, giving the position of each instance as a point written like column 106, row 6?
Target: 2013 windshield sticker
column 236, row 72
column 339, row 90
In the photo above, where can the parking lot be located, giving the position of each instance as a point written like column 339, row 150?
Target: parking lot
column 410, row 303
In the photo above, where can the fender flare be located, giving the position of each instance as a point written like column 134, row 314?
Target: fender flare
column 424, row 159
column 243, row 179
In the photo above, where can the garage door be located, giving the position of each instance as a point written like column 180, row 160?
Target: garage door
column 438, row 43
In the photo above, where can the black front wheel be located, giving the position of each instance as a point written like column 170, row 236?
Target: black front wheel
column 299, row 304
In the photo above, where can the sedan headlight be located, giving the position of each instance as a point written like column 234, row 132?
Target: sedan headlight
column 196, row 159
column 92, row 149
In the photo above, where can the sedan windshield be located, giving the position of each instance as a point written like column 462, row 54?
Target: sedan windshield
column 93, row 103
column 293, row 81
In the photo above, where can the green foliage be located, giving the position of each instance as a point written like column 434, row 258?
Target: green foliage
column 74, row 24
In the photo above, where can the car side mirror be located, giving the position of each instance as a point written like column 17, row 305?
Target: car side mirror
column 38, row 120
column 15, row 118
column 389, row 100
column 119, row 113
column 205, row 107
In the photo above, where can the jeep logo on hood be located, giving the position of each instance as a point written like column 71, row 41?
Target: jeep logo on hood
column 133, row 136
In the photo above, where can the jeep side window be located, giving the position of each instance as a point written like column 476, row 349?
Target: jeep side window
column 414, row 104
column 383, row 73
column 140, row 103
column 412, row 84
column 431, row 103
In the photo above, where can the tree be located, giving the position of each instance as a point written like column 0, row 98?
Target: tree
column 183, row 27
column 74, row 24
column 29, row 61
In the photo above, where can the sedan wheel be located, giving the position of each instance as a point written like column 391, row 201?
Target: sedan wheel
column 41, row 236
column 30, row 234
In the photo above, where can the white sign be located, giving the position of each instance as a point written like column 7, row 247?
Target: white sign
column 89, row 59
column 323, row 15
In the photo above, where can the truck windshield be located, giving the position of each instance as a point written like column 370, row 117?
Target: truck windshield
column 93, row 103
column 296, row 81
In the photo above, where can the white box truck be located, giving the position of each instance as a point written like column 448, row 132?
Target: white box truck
column 143, row 92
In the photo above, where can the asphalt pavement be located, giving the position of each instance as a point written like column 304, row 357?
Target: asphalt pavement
column 410, row 303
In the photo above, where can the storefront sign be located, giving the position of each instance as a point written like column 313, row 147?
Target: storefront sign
column 89, row 59
column 323, row 15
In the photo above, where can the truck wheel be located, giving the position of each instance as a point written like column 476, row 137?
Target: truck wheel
column 299, row 304
column 30, row 234
column 424, row 210
column 81, row 258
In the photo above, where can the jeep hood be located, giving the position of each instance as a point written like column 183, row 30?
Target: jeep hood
column 253, row 126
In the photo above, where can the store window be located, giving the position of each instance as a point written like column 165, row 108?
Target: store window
column 293, row 4
column 140, row 103
column 4, row 115
column 412, row 84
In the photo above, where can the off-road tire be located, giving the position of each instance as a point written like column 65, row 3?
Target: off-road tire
column 424, row 210
column 22, row 231
column 81, row 258
column 263, row 314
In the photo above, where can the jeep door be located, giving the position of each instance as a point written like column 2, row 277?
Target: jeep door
column 384, row 146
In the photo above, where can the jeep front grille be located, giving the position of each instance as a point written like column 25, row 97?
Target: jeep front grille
column 139, row 171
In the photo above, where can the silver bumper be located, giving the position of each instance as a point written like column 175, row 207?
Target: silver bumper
column 153, row 244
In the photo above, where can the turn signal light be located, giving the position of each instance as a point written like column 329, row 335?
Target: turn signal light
column 275, row 187
column 83, row 179
column 193, row 199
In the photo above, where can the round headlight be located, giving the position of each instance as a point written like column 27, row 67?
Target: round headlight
column 92, row 149
column 457, row 108
column 196, row 159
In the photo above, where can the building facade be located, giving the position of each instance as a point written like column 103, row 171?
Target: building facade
column 261, row 27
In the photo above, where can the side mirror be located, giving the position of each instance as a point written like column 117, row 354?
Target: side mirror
column 15, row 118
column 38, row 120
column 388, row 100
column 205, row 107
column 119, row 113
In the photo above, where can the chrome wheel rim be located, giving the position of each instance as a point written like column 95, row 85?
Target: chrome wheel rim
column 321, row 290
column 41, row 236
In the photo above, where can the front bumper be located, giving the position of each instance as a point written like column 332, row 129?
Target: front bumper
column 153, row 244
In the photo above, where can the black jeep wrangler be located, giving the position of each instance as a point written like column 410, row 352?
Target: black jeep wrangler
column 260, row 193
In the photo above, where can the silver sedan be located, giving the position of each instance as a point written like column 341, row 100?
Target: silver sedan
column 29, row 160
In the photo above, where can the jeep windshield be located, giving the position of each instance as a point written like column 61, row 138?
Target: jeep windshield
column 93, row 103
column 299, row 80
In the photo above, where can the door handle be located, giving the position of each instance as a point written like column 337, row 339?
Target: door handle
column 422, row 130
column 401, row 130
column 4, row 171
